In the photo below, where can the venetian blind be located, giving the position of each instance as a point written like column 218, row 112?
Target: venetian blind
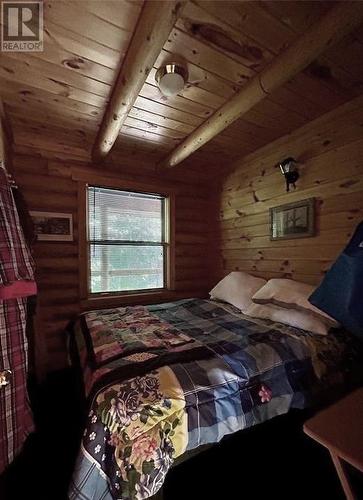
column 126, row 237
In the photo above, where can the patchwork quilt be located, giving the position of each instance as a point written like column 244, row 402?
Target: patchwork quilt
column 168, row 378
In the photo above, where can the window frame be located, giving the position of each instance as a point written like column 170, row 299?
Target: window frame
column 100, row 298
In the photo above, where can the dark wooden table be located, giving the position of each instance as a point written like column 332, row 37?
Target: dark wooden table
column 340, row 429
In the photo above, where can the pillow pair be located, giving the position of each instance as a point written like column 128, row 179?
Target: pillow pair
column 280, row 300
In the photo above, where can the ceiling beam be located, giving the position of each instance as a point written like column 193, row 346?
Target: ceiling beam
column 340, row 20
column 154, row 25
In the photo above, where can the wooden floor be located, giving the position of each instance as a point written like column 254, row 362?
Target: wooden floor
column 273, row 460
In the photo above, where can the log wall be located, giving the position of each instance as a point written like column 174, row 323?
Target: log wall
column 208, row 246
column 330, row 152
column 47, row 185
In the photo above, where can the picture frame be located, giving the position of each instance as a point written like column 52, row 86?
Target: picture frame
column 52, row 226
column 293, row 220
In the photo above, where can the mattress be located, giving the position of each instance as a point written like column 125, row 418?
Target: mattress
column 165, row 379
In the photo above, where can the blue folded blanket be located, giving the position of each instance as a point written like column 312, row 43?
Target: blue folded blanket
column 341, row 292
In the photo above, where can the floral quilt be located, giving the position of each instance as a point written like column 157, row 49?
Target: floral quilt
column 203, row 370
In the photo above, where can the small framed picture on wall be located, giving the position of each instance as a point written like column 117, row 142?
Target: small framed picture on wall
column 293, row 220
column 52, row 226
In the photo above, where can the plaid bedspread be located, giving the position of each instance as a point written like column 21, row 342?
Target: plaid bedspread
column 248, row 371
column 16, row 282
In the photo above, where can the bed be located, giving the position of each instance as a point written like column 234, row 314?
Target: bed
column 163, row 380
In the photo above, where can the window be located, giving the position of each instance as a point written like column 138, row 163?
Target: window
column 127, row 241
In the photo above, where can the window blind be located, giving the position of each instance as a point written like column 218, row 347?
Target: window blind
column 127, row 243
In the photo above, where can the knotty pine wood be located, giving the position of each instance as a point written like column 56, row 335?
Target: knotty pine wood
column 224, row 43
column 341, row 19
column 47, row 184
column 330, row 151
column 153, row 27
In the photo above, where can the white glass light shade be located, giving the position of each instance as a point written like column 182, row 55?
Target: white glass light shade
column 171, row 84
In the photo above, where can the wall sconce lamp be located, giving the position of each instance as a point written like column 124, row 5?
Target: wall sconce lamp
column 289, row 170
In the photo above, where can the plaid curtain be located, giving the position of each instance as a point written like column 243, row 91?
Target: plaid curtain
column 16, row 282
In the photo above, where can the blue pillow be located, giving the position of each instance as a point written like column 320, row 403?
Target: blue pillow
column 341, row 292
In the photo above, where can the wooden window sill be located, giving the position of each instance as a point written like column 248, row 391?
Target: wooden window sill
column 152, row 297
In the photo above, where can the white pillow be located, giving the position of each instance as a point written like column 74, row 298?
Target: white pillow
column 292, row 317
column 292, row 295
column 237, row 288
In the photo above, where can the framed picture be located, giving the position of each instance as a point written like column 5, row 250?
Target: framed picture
column 53, row 226
column 293, row 220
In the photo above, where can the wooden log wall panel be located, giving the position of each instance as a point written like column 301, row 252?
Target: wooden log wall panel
column 330, row 150
column 47, row 184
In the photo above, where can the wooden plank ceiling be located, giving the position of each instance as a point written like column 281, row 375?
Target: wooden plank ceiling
column 56, row 99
